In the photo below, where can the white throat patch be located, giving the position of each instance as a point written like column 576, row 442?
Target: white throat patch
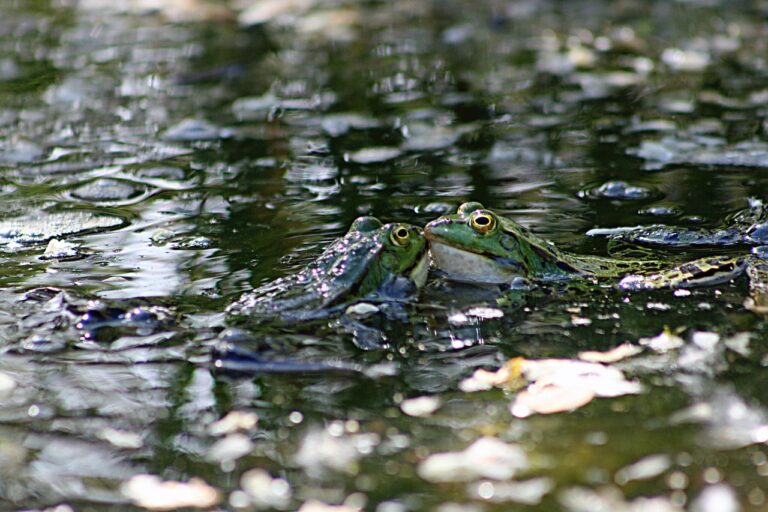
column 469, row 267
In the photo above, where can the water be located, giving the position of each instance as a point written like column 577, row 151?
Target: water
column 188, row 162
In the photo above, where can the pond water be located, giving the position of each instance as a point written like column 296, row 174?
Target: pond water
column 185, row 152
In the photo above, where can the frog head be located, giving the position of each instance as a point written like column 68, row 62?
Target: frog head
column 478, row 245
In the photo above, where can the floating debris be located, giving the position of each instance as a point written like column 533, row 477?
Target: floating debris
column 731, row 422
column 716, row 498
column 485, row 313
column 644, row 469
column 60, row 250
column 188, row 130
column 421, row 406
column 527, row 492
column 42, row 226
column 332, row 449
column 121, row 438
column 362, row 309
column 7, row 384
column 623, row 351
column 558, row 385
column 233, row 422
column 260, row 108
column 685, row 60
column 374, row 155
column 663, row 342
column 265, row 11
column 152, row 493
column 581, row 499
column 336, row 125
column 701, row 151
column 660, row 211
column 618, row 190
column 510, row 374
column 319, row 506
column 230, row 448
column 20, row 151
column 488, row 457
column 424, row 137
column 161, row 236
column 265, row 491
column 105, row 190
column 549, row 399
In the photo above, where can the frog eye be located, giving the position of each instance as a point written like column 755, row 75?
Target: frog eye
column 482, row 221
column 400, row 235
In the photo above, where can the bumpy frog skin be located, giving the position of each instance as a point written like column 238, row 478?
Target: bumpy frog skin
column 478, row 245
column 371, row 261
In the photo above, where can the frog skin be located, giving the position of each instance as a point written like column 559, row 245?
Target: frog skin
column 747, row 227
column 372, row 262
column 478, row 245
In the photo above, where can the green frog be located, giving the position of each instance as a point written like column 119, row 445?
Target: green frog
column 480, row 246
column 373, row 262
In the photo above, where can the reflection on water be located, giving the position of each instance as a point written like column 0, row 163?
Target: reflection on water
column 156, row 162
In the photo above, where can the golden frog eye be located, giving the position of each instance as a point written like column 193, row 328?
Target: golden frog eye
column 482, row 222
column 400, row 236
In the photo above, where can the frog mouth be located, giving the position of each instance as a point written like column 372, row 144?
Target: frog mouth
column 468, row 266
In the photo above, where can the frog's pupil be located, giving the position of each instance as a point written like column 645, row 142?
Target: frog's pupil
column 482, row 221
column 401, row 233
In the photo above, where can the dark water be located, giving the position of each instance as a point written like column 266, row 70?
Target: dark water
column 188, row 162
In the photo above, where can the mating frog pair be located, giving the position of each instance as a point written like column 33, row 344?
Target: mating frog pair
column 481, row 246
column 375, row 262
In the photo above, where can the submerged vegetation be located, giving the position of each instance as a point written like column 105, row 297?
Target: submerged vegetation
column 179, row 328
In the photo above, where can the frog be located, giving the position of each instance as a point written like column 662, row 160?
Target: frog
column 478, row 245
column 747, row 227
column 372, row 263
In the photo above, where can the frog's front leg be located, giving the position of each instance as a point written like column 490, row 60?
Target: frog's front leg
column 701, row 272
column 757, row 271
